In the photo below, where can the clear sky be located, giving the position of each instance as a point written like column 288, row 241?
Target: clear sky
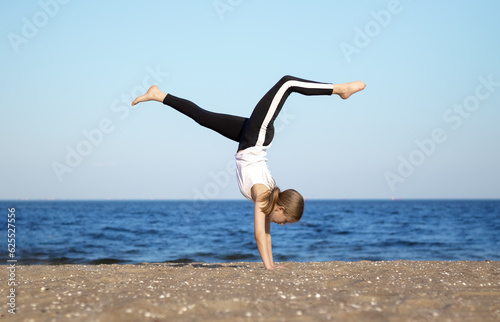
column 426, row 126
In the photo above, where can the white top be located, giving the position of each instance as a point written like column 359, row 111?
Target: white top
column 251, row 168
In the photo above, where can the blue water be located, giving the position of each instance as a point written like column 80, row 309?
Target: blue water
column 93, row 232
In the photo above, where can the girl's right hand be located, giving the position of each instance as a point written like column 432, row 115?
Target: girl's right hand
column 277, row 267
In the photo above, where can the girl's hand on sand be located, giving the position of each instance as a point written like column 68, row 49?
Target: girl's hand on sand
column 277, row 267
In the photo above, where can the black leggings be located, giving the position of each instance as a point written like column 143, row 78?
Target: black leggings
column 258, row 129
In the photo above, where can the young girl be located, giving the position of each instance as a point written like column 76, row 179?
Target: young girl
column 254, row 136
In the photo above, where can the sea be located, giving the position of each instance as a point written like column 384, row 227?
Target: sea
column 184, row 231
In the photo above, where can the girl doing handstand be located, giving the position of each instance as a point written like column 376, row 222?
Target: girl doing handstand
column 254, row 135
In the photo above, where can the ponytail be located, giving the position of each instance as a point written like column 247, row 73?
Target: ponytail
column 271, row 198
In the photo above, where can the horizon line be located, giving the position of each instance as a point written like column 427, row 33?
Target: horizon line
column 230, row 199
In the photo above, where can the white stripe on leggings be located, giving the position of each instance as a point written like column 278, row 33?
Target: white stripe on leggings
column 276, row 100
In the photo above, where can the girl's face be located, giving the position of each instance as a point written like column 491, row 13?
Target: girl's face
column 278, row 216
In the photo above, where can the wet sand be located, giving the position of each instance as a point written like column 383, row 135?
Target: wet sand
column 337, row 291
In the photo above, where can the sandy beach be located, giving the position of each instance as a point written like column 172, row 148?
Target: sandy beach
column 337, row 291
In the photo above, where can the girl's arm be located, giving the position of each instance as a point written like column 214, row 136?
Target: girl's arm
column 268, row 240
column 269, row 244
column 262, row 228
column 261, row 236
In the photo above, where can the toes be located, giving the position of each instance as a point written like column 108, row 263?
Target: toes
column 137, row 100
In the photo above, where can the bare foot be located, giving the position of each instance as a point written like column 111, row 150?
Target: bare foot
column 153, row 94
column 347, row 89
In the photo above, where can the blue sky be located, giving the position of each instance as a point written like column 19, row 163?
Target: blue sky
column 426, row 126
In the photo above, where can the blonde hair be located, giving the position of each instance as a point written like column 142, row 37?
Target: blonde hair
column 290, row 199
